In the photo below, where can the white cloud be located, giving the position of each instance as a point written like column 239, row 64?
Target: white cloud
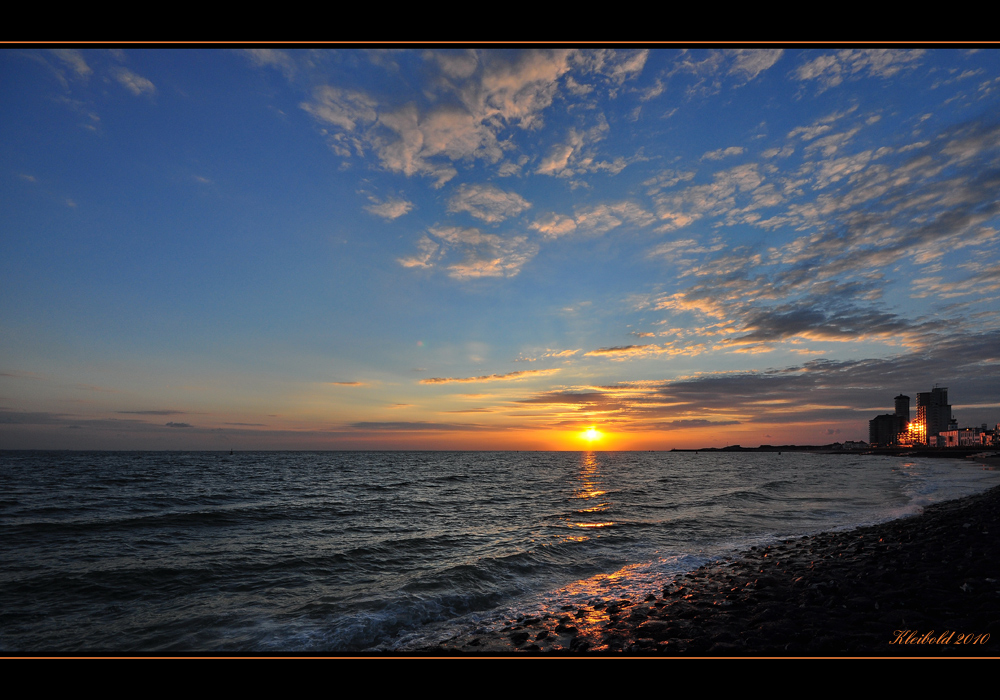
column 482, row 254
column 689, row 246
column 517, row 90
column 390, row 209
column 509, row 168
column 343, row 108
column 752, row 62
column 272, row 57
column 721, row 153
column 424, row 258
column 573, row 155
column 448, row 132
column 615, row 66
column 133, row 82
column 558, row 158
column 717, row 198
column 742, row 65
column 596, row 219
column 477, row 96
column 461, row 63
column 74, row 59
column 604, row 217
column 831, row 69
column 832, row 143
column 654, row 91
column 783, row 152
column 555, row 225
column 487, row 202
column 837, row 169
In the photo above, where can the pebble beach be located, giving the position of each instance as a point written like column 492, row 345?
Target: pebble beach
column 926, row 585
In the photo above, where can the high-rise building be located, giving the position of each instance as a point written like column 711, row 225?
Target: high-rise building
column 884, row 430
column 903, row 407
column 933, row 413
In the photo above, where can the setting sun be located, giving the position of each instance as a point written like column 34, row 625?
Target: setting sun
column 591, row 434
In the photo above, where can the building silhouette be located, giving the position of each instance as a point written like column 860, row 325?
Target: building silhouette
column 903, row 407
column 885, row 430
column 933, row 413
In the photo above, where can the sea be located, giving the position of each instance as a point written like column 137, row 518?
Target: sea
column 340, row 552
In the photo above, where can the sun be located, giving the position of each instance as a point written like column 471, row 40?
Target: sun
column 591, row 434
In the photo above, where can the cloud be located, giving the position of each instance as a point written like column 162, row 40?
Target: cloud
column 560, row 353
column 477, row 98
column 752, row 62
column 985, row 278
column 713, row 67
column 554, row 225
column 429, row 251
column 487, row 202
column 460, row 63
column 509, row 376
column 615, row 66
column 271, row 57
column 683, row 247
column 653, row 91
column 390, row 209
column 133, row 82
column 517, row 88
column 692, row 423
column 721, row 153
column 717, row 198
column 74, row 60
column 667, row 179
column 398, row 426
column 342, row 108
column 178, row 425
column 422, row 141
column 604, row 217
column 483, row 254
column 818, row 391
column 348, row 383
column 154, row 413
column 622, row 351
column 595, row 220
column 32, row 417
column 832, row 143
column 826, row 318
column 821, row 125
column 573, row 153
column 968, row 364
column 831, row 69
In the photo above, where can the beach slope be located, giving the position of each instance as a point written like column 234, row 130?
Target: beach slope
column 927, row 585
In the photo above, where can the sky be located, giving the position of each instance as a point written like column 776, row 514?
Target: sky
column 282, row 248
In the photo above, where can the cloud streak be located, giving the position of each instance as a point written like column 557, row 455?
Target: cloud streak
column 509, row 376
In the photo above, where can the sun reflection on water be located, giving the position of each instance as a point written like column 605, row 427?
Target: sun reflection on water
column 589, row 489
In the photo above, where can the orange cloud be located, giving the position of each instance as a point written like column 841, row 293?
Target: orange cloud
column 523, row 374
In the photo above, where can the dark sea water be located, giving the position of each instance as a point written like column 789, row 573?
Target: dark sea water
column 347, row 551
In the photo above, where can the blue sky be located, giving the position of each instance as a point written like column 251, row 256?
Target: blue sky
column 345, row 248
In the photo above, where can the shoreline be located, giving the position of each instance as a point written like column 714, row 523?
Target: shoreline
column 923, row 585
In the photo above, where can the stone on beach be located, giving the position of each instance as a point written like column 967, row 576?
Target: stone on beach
column 893, row 589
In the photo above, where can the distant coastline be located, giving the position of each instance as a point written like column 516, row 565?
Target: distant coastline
column 940, row 452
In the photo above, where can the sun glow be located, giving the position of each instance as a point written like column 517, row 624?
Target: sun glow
column 591, row 434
